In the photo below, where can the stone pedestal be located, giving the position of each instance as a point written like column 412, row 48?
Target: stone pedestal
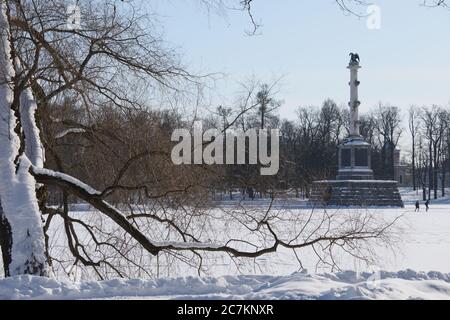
column 354, row 160
column 361, row 193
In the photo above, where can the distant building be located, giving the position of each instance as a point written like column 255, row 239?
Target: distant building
column 402, row 171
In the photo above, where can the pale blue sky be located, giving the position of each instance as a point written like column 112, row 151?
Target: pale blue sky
column 406, row 62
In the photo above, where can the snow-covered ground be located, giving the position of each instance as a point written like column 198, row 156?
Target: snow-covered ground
column 343, row 285
column 423, row 239
column 423, row 246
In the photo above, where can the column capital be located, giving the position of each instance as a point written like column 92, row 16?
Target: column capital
column 354, row 66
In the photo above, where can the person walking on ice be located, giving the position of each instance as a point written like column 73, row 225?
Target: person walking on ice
column 427, row 204
column 417, row 206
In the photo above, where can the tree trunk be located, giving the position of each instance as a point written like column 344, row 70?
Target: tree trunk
column 435, row 172
column 22, row 234
column 443, row 180
column 414, row 164
column 5, row 242
column 430, row 172
column 430, row 180
column 262, row 119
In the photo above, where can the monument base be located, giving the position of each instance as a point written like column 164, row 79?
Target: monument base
column 355, row 174
column 363, row 193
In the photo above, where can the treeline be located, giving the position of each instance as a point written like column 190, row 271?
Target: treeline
column 127, row 152
column 430, row 144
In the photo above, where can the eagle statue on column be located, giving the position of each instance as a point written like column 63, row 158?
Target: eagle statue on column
column 354, row 58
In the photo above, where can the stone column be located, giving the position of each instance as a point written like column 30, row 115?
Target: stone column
column 354, row 102
column 354, row 142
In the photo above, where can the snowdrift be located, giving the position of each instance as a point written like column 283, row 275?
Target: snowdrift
column 343, row 285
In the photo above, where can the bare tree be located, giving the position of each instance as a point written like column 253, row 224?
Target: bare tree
column 413, row 126
column 422, row 167
column 434, row 126
column 389, row 130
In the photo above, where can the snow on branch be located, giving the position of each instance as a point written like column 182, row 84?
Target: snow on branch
column 66, row 132
column 66, row 178
column 33, row 145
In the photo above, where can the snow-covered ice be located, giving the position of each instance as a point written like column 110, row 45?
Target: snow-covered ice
column 422, row 252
